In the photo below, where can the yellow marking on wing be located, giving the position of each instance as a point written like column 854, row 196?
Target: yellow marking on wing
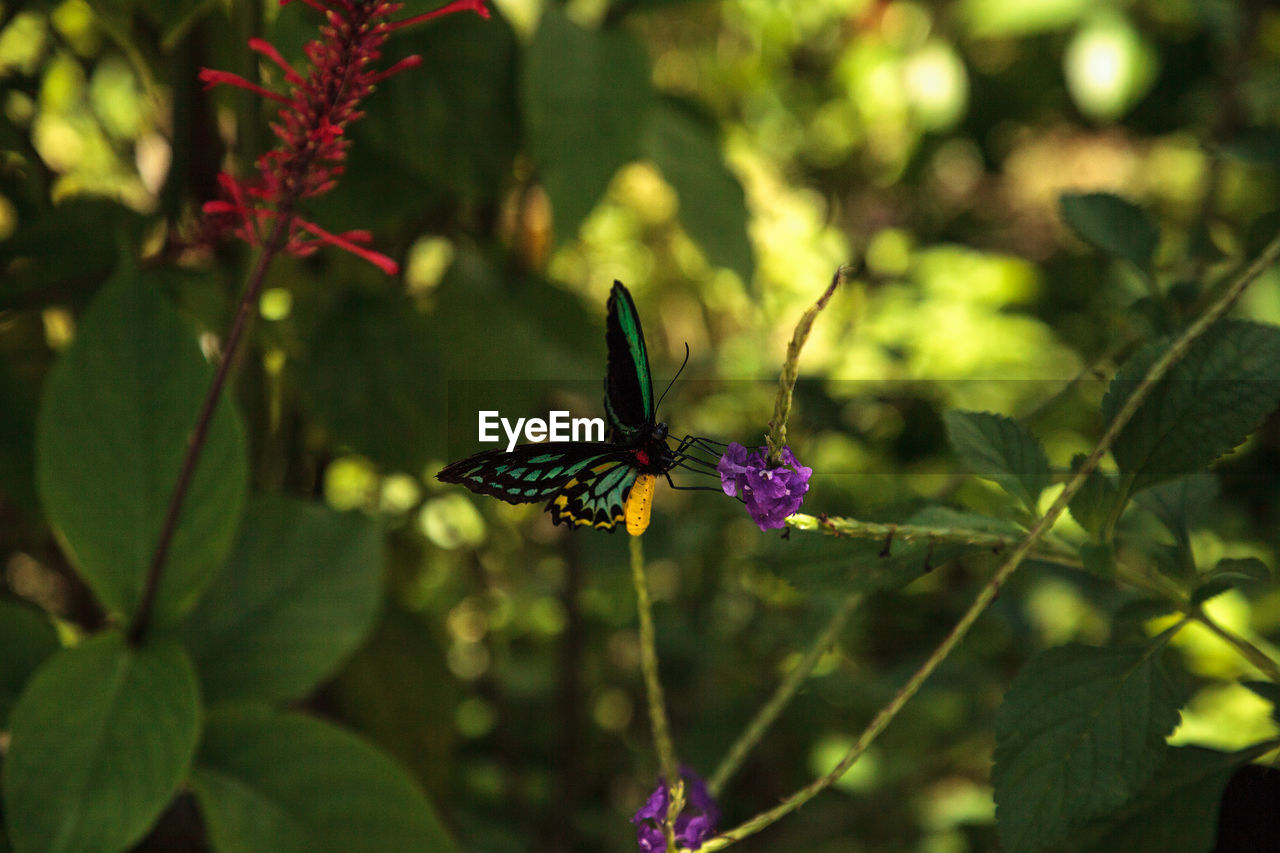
column 639, row 503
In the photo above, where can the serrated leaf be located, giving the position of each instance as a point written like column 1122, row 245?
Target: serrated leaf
column 280, row 782
column 1176, row 812
column 1112, row 224
column 102, row 736
column 684, row 144
column 118, row 410
column 27, row 639
column 999, row 448
column 1092, row 506
column 1080, row 731
column 1209, row 402
column 298, row 594
column 586, row 101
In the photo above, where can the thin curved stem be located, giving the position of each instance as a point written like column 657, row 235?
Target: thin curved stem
column 988, row 592
column 777, row 437
column 782, row 696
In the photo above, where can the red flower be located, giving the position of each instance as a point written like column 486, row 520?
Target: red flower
column 312, row 121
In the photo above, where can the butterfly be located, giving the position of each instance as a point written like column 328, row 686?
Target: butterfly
column 591, row 484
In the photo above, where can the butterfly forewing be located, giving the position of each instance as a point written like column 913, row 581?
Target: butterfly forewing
column 628, row 389
column 529, row 472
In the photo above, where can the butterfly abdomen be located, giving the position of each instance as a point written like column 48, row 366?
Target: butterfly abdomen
column 639, row 503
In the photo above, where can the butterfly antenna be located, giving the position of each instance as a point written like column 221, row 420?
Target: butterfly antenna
column 674, row 378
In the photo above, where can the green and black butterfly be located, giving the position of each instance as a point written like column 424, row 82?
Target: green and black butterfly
column 589, row 483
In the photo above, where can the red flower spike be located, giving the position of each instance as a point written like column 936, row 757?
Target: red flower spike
column 311, row 124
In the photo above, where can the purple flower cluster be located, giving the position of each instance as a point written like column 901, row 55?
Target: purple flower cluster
column 771, row 494
column 694, row 825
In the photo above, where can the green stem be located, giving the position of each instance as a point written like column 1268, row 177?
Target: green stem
column 988, row 592
column 907, row 533
column 653, row 689
column 782, row 696
column 777, row 438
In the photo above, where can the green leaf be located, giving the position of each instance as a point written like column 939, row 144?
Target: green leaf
column 1176, row 812
column 118, row 409
column 102, row 736
column 586, row 98
column 280, row 782
column 28, row 639
column 685, row 144
column 1000, row 449
column 1228, row 574
column 1080, row 731
column 1210, row 401
column 373, row 379
column 298, row 594
column 1180, row 504
column 1092, row 506
column 1112, row 224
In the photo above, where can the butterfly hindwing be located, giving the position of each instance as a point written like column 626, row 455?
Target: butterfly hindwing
column 628, row 388
column 528, row 472
column 596, row 497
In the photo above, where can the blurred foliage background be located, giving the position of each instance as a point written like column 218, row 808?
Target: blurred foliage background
column 721, row 159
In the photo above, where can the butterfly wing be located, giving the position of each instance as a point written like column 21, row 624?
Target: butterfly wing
column 628, row 389
column 595, row 497
column 583, row 484
column 529, row 472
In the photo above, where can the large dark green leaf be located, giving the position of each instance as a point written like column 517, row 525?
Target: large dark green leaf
column 586, row 100
column 297, row 595
column 118, row 409
column 276, row 782
column 1080, row 731
column 1208, row 403
column 1116, row 226
column 1092, row 506
column 102, row 736
column 1000, row 449
column 685, row 144
column 1176, row 812
column 27, row 639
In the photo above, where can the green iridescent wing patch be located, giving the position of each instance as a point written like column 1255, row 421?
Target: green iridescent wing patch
column 530, row 472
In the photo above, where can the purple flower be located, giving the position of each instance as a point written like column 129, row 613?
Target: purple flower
column 693, row 826
column 771, row 494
